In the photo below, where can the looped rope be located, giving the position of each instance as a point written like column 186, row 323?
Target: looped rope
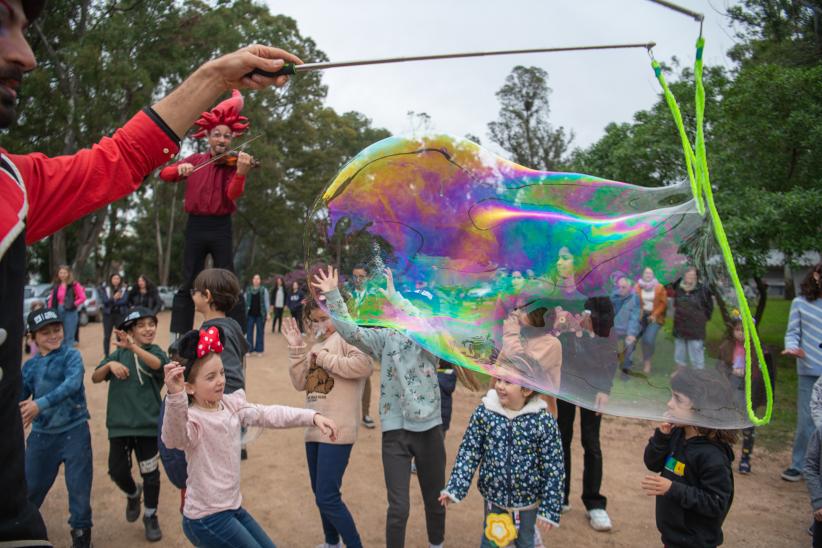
column 697, row 166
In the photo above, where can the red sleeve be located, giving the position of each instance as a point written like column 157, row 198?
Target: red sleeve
column 63, row 189
column 169, row 173
column 236, row 186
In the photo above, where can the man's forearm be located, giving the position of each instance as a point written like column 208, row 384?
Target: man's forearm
column 180, row 108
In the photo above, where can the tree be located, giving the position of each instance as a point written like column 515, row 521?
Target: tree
column 523, row 127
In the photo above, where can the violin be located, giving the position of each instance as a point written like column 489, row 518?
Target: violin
column 230, row 160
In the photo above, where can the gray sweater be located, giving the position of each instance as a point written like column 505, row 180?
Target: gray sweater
column 235, row 348
column 812, row 469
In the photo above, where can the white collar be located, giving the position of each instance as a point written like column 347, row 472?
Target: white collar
column 492, row 403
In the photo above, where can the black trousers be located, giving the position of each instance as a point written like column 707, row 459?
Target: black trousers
column 278, row 317
column 148, row 461
column 19, row 518
column 204, row 236
column 428, row 451
column 110, row 322
column 592, row 461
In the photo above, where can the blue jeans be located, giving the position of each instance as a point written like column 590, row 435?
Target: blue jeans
column 45, row 453
column 804, row 422
column 234, row 528
column 70, row 320
column 259, row 323
column 693, row 349
column 525, row 534
column 626, row 351
column 326, row 466
column 649, row 340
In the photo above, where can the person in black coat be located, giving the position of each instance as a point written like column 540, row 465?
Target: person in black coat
column 144, row 294
column 114, row 297
column 295, row 300
column 695, row 488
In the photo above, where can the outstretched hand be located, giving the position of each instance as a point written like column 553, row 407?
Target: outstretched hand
column 235, row 69
column 655, row 486
column 445, row 500
column 292, row 332
column 326, row 281
column 796, row 352
column 544, row 526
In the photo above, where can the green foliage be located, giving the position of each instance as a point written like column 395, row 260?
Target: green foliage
column 102, row 60
column 523, row 127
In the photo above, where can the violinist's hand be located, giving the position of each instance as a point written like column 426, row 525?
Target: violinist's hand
column 244, row 163
column 184, row 170
column 234, row 69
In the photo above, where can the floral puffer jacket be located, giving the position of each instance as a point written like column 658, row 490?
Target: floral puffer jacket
column 519, row 455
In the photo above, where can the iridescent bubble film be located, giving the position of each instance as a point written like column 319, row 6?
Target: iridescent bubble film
column 536, row 277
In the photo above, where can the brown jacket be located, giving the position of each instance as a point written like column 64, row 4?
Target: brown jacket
column 660, row 303
column 333, row 374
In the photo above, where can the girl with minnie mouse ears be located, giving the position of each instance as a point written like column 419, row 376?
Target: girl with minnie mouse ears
column 206, row 423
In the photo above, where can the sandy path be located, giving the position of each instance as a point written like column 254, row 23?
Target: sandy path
column 767, row 511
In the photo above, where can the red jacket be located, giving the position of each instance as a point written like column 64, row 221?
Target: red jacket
column 57, row 191
column 212, row 189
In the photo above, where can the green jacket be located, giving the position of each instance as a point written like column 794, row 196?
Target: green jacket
column 133, row 407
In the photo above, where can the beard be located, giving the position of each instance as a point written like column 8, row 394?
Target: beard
column 10, row 77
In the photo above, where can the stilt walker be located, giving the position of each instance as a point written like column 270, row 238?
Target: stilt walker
column 213, row 184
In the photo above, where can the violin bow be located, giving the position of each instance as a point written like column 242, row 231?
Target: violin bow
column 226, row 153
column 292, row 68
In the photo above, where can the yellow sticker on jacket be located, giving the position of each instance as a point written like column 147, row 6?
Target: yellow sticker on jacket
column 675, row 466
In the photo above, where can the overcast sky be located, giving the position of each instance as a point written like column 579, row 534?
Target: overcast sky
column 590, row 89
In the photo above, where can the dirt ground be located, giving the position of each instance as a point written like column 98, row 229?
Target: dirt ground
column 766, row 512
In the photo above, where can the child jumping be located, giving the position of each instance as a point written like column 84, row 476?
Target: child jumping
column 696, row 487
column 57, row 411
column 410, row 414
column 134, row 373
column 516, row 444
column 332, row 374
column 206, row 423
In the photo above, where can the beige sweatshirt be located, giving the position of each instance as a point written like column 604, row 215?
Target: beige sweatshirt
column 333, row 374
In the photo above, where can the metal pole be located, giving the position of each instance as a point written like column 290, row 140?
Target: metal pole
column 290, row 68
column 670, row 5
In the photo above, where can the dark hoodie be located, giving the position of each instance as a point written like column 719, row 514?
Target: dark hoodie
column 235, row 348
column 691, row 513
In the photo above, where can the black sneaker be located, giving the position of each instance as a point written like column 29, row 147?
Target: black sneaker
column 791, row 474
column 81, row 538
column 153, row 533
column 243, row 454
column 133, row 505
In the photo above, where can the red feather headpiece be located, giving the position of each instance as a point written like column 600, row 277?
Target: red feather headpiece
column 226, row 113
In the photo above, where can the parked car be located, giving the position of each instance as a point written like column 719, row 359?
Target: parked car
column 92, row 309
column 32, row 293
column 166, row 296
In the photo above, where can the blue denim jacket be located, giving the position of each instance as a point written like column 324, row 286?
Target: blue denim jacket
column 55, row 381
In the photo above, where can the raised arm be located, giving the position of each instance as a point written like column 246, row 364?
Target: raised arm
column 658, row 448
column 177, row 431
column 352, row 363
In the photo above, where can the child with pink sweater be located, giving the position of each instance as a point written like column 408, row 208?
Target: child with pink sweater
column 205, row 423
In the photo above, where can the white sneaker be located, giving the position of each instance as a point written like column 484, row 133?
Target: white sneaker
column 326, row 545
column 565, row 508
column 599, row 520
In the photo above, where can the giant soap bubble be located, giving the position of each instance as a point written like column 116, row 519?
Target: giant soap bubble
column 533, row 276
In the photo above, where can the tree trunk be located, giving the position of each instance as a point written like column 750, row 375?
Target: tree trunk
column 790, row 288
column 167, row 255
column 158, row 235
column 89, row 235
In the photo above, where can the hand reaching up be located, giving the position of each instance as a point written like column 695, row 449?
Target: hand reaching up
column 174, row 377
column 389, row 290
column 326, row 282
column 292, row 332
